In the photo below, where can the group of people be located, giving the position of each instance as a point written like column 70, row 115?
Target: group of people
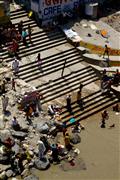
column 107, row 81
column 105, row 116
column 11, row 35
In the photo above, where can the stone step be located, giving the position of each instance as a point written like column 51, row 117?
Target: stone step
column 45, row 63
column 66, row 77
column 41, row 40
column 66, row 91
column 93, row 106
column 39, row 48
column 50, row 70
column 62, row 81
column 50, row 58
column 63, row 90
column 99, row 60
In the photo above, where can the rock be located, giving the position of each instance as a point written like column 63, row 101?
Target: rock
column 26, row 166
column 3, row 159
column 53, row 131
column 4, row 134
column 31, row 153
column 31, row 177
column 16, row 148
column 4, row 167
column 75, row 138
column 25, row 173
column 19, row 134
column 31, row 164
column 31, row 136
column 42, row 165
column 44, row 128
column 9, row 173
column 2, row 123
column 3, row 176
column 25, row 162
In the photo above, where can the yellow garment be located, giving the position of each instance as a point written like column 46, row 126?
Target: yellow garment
column 67, row 140
column 30, row 14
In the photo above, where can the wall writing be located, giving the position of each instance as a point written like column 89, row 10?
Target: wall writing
column 54, row 2
column 53, row 8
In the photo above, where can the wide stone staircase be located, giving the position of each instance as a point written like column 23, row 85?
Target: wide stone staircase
column 92, row 104
column 50, row 64
column 58, row 87
column 41, row 39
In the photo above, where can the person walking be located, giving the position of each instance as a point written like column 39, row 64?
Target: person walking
column 41, row 149
column 29, row 33
column 13, row 84
column 68, row 101
column 105, row 115
column 24, row 35
column 80, row 87
column 5, row 101
column 15, row 66
column 106, row 51
column 79, row 97
column 68, row 144
column 38, row 102
column 20, row 27
column 15, row 46
column 39, row 60
column 55, row 153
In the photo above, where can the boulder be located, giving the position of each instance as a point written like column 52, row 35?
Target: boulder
column 75, row 138
column 53, row 131
column 16, row 148
column 42, row 164
column 2, row 123
column 31, row 177
column 31, row 164
column 31, row 153
column 25, row 173
column 4, row 167
column 44, row 128
column 25, row 162
column 3, row 159
column 4, row 134
column 3, row 176
column 18, row 134
column 9, row 173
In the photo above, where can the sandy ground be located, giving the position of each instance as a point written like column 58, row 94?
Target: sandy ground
column 99, row 156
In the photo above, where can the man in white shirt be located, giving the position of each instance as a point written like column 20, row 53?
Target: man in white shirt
column 15, row 66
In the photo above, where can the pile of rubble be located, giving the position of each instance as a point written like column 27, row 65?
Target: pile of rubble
column 23, row 145
column 33, row 147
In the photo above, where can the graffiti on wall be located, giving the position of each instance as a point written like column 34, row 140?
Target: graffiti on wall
column 55, row 7
column 54, row 2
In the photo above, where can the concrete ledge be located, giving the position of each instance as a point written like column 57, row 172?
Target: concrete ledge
column 82, row 50
column 108, row 69
column 116, row 90
column 102, row 62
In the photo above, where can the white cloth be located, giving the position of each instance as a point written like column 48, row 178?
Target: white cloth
column 72, row 35
column 5, row 103
column 41, row 149
column 15, row 65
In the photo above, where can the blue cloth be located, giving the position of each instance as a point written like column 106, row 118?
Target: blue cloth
column 24, row 34
column 72, row 120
